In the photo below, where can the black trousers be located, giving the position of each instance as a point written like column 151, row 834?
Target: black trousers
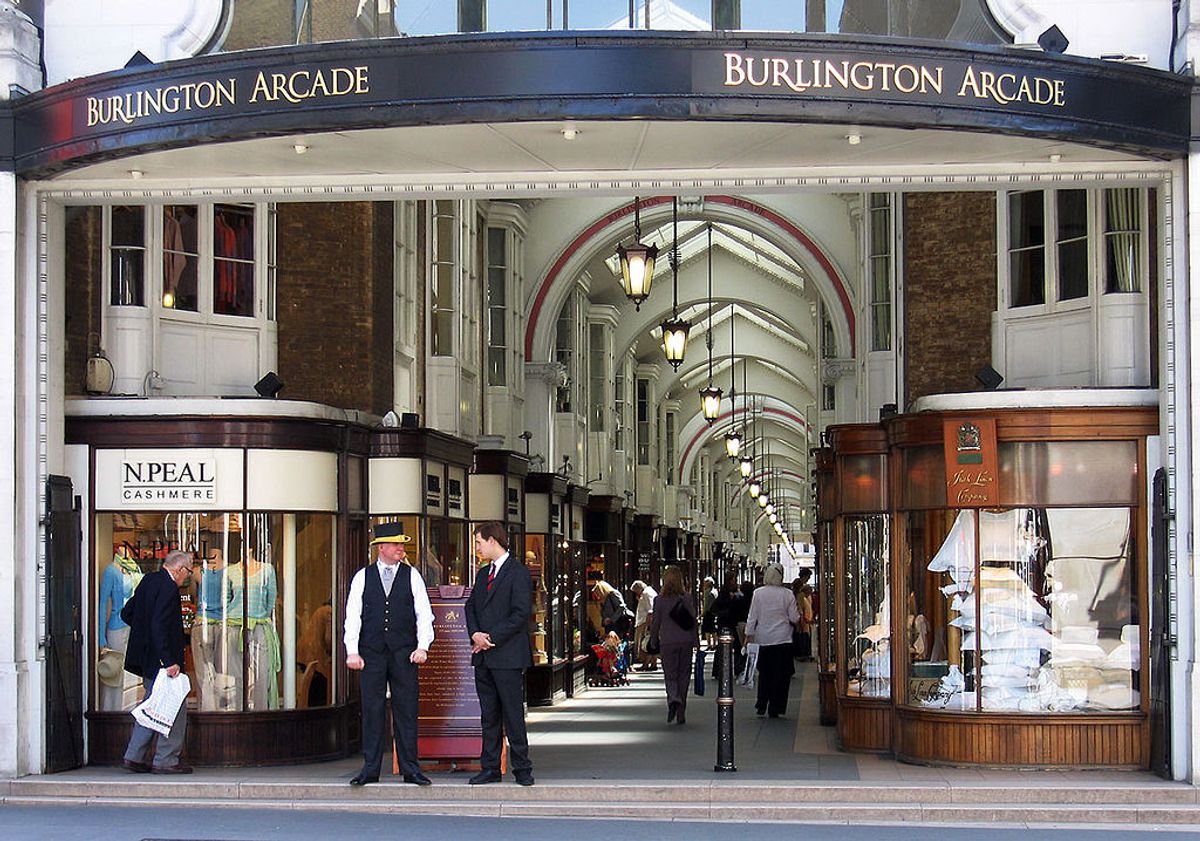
column 502, row 713
column 775, row 670
column 383, row 670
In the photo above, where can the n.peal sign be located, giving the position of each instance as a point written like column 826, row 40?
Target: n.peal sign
column 190, row 481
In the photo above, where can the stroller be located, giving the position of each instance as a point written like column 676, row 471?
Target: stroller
column 612, row 667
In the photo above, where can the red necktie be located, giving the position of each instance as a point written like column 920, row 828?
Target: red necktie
column 491, row 577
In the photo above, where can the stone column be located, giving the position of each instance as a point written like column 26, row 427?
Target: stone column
column 541, row 380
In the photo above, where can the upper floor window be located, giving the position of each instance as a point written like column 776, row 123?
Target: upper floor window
column 564, row 354
column 619, row 408
column 597, row 377
column 643, row 421
column 1098, row 237
column 209, row 259
column 879, row 259
column 669, row 449
column 443, row 275
column 497, row 302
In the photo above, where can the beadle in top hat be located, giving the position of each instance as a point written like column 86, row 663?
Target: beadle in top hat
column 390, row 533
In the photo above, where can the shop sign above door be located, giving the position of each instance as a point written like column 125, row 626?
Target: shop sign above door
column 512, row 78
column 175, row 480
column 971, row 463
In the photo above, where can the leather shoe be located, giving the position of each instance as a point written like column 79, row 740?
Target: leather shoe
column 177, row 768
column 484, row 777
column 418, row 779
column 135, row 766
column 524, row 778
column 363, row 778
column 672, row 711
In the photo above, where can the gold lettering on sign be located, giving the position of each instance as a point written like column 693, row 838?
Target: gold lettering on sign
column 306, row 84
column 1005, row 88
column 801, row 75
column 971, row 485
column 294, row 87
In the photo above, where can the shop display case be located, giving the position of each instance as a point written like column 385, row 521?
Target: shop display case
column 862, row 587
column 826, row 630
column 1021, row 547
column 545, row 552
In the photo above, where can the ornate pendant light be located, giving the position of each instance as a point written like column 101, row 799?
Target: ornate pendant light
column 745, row 466
column 675, row 329
column 637, row 262
column 710, row 395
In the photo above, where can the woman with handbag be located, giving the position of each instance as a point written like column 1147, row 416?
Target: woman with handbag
column 674, row 632
column 614, row 615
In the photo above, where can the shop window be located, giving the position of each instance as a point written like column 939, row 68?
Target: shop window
column 868, row 649
column 259, row 615
column 497, row 301
column 127, row 256
column 536, row 561
column 880, row 268
column 1026, row 610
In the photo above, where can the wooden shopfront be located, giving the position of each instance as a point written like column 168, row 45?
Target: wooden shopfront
column 1003, row 573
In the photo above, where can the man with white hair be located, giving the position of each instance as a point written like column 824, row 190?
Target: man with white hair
column 641, row 624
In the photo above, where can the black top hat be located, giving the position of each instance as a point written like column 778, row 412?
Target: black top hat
column 390, row 533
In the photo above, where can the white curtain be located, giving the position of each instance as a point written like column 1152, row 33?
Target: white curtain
column 1122, row 237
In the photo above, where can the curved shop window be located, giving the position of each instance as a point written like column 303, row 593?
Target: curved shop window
column 259, row 609
column 1031, row 606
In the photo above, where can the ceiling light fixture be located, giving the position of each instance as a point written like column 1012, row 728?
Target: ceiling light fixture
column 637, row 262
column 135, row 174
column 675, row 329
column 569, row 131
column 710, row 395
column 854, row 139
column 299, row 148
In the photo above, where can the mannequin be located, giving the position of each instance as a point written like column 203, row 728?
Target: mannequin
column 117, row 583
column 254, row 592
column 210, row 634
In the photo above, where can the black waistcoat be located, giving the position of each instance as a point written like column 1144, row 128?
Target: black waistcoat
column 389, row 622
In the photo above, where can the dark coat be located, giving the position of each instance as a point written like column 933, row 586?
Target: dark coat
column 155, row 622
column 504, row 613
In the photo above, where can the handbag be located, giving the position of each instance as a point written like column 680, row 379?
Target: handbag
column 681, row 616
column 652, row 646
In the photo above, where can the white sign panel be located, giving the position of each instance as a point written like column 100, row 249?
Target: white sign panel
column 168, row 480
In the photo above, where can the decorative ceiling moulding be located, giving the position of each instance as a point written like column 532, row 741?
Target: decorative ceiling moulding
column 506, row 78
column 908, row 179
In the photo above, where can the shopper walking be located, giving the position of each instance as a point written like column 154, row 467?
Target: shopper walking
column 645, row 595
column 674, row 631
column 772, row 619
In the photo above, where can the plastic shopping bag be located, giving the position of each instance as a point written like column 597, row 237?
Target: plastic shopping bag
column 157, row 712
column 746, row 678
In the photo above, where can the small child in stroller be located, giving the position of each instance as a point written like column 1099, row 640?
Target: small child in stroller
column 612, row 662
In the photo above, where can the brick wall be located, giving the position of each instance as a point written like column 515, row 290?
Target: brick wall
column 262, row 23
column 950, row 290
column 82, row 291
column 335, row 303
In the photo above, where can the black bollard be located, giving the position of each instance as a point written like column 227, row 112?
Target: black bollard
column 725, row 701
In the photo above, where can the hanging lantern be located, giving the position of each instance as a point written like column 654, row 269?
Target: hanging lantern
column 763, row 499
column 770, row 508
column 745, row 466
column 755, row 489
column 674, row 339
column 710, row 402
column 733, row 444
column 773, row 517
column 637, row 262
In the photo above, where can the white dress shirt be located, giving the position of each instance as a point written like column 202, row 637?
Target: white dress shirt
column 420, row 603
column 773, row 615
column 488, row 569
column 645, row 605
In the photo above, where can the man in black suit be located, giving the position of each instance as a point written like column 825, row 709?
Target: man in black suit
column 156, row 642
column 388, row 631
column 498, row 622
